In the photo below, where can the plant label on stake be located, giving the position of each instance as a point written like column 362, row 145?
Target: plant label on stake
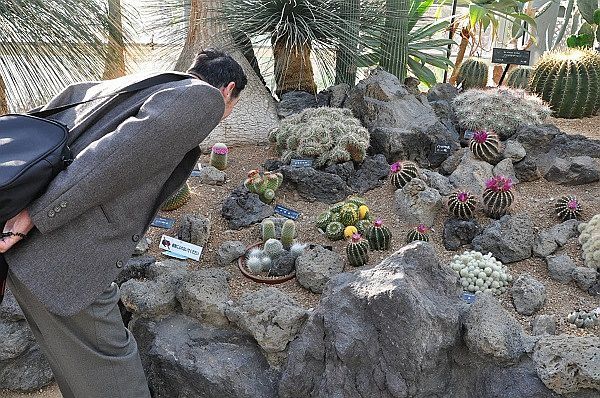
column 301, row 163
column 442, row 149
column 469, row 297
column 161, row 222
column 288, row 213
column 180, row 247
column 469, row 134
column 196, row 171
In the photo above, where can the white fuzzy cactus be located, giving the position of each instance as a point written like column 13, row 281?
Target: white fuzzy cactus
column 254, row 264
column 481, row 273
column 297, row 249
column 590, row 241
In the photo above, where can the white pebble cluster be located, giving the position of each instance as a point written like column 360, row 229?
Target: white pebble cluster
column 590, row 241
column 481, row 273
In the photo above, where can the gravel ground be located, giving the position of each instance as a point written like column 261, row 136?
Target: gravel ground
column 535, row 198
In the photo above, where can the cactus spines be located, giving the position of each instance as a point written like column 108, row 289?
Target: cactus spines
column 349, row 231
column 402, row 173
column 288, row 230
column 379, row 236
column 267, row 230
column 418, row 233
column 263, row 184
column 568, row 207
column 363, row 212
column 297, row 249
column 569, row 81
column 473, row 73
column 348, row 214
column 485, row 145
column 180, row 198
column 273, row 248
column 218, row 156
column 357, row 200
column 518, row 77
column 335, row 208
column 357, row 251
column 335, row 230
column 462, row 204
column 363, row 226
column 254, row 264
column 497, row 196
column 266, row 263
column 324, row 219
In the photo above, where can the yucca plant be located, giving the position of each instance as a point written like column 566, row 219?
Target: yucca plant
column 48, row 44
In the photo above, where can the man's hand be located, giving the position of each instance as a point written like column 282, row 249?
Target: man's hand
column 21, row 223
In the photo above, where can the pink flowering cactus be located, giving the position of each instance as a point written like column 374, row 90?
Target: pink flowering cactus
column 499, row 184
column 396, row 167
column 480, row 136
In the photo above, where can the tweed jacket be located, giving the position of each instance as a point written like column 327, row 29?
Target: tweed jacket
column 131, row 153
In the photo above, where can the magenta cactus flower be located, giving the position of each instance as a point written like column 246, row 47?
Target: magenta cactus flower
column 485, row 145
column 499, row 184
column 403, row 172
column 497, row 196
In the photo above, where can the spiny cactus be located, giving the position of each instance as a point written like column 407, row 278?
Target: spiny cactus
column 324, row 219
column 462, row 204
column 420, row 232
column 336, row 207
column 349, row 231
column 266, row 263
column 481, row 273
column 569, row 81
column 501, row 110
column 473, row 73
column 567, row 208
column 403, row 172
column 497, row 196
column 263, row 184
column 297, row 249
column 518, row 77
column 273, row 248
column 589, row 237
column 288, row 230
column 363, row 212
column 583, row 319
column 254, row 264
column 180, row 198
column 379, row 236
column 357, row 200
column 357, row 251
column 349, row 214
column 485, row 145
column 335, row 230
column 363, row 226
column 218, row 156
column 267, row 230
column 329, row 135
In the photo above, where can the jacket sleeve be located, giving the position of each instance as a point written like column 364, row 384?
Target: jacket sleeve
column 170, row 123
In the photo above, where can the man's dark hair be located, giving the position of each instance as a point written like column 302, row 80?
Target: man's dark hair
column 218, row 69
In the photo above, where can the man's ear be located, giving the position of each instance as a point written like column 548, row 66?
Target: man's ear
column 227, row 90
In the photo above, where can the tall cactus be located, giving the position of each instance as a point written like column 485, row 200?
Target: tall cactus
column 345, row 64
column 473, row 73
column 394, row 55
column 569, row 81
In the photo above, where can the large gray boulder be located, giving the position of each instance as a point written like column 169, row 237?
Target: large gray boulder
column 271, row 317
column 316, row 185
column 194, row 228
column 548, row 240
column 560, row 267
column 187, row 359
column 204, row 295
column 243, row 208
column 573, row 171
column 509, row 239
column 471, row 174
column 416, row 203
column 315, row 267
column 528, row 294
column 567, row 364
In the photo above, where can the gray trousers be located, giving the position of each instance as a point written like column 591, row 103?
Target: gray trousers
column 92, row 354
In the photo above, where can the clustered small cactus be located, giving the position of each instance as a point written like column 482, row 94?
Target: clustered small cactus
column 481, row 273
column 263, row 184
column 402, row 172
column 497, row 197
column 473, row 73
column 328, row 135
column 179, row 198
column 357, row 251
column 343, row 219
column 485, row 145
column 583, row 319
column 501, row 110
column 589, row 238
column 568, row 208
column 218, row 156
column 461, row 204
column 420, row 232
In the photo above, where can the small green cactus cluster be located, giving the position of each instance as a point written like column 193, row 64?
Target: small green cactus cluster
column 584, row 319
column 518, row 77
column 288, row 231
column 461, row 204
column 357, row 251
column 420, row 232
column 501, row 110
column 379, row 236
column 589, row 237
column 473, row 73
column 481, row 273
column 402, row 172
column 263, row 260
column 218, row 156
column 179, row 198
column 568, row 208
column 485, row 145
column 263, row 184
column 338, row 220
column 569, row 81
column 328, row 135
column 497, row 196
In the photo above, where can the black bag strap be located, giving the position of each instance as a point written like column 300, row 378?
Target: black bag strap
column 141, row 85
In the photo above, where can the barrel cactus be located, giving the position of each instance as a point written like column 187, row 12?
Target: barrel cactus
column 501, row 110
column 421, row 232
column 218, row 156
column 403, row 172
column 273, row 248
column 473, row 73
column 180, row 198
column 267, row 228
column 481, row 273
column 379, row 236
column 518, row 77
column 363, row 226
column 288, row 230
column 349, row 214
column 569, row 81
column 324, row 219
column 335, row 230
column 461, row 204
column 485, row 145
column 589, row 237
column 497, row 196
column 568, row 208
column 357, row 251
column 328, row 135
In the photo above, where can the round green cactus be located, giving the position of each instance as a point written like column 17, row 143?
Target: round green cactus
column 363, row 226
column 335, row 208
column 357, row 251
column 379, row 236
column 324, row 219
column 518, row 77
column 569, row 81
column 473, row 73
column 421, row 232
column 335, row 230
column 349, row 214
column 180, row 198
column 273, row 248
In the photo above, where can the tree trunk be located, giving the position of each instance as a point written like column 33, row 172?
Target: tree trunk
column 3, row 99
column 256, row 112
column 465, row 35
column 115, row 58
column 293, row 68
